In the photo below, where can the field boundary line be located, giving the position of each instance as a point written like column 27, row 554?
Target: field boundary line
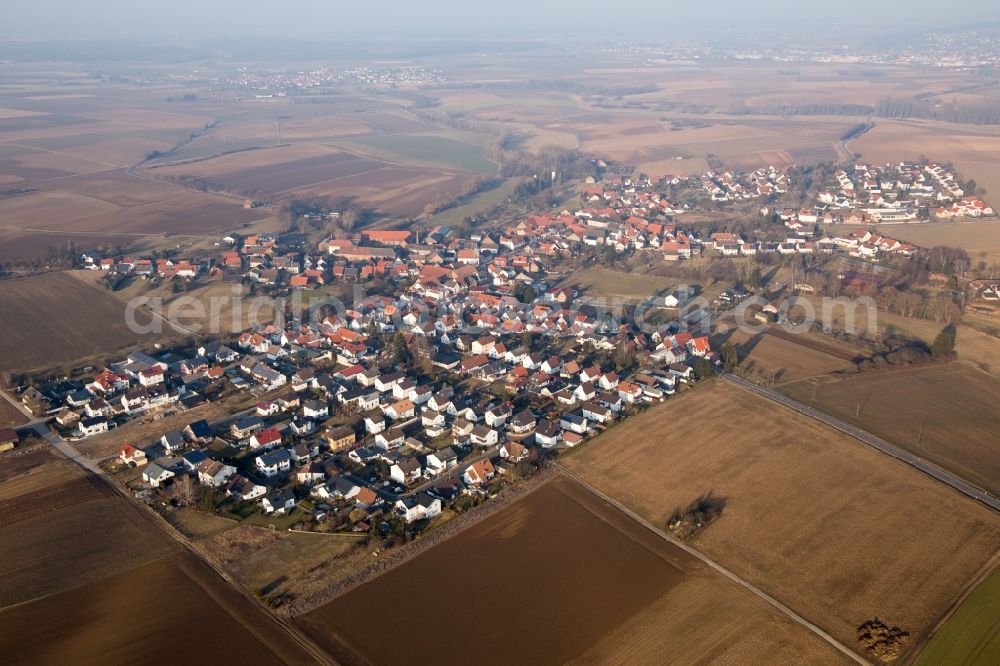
column 877, row 443
column 712, row 564
column 294, row 633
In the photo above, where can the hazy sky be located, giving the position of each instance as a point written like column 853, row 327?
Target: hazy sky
column 353, row 19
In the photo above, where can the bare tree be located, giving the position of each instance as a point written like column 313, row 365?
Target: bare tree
column 185, row 491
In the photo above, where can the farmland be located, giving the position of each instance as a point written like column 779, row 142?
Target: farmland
column 835, row 530
column 77, row 556
column 972, row 634
column 643, row 597
column 784, row 358
column 944, row 413
column 60, row 320
column 974, row 150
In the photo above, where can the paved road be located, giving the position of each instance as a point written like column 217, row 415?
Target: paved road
column 756, row 591
column 871, row 440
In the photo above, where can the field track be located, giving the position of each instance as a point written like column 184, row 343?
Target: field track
column 760, row 594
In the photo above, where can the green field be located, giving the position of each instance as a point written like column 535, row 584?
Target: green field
column 972, row 635
column 602, row 282
column 481, row 202
column 423, row 149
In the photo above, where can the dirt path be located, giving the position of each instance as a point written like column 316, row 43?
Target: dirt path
column 760, row 594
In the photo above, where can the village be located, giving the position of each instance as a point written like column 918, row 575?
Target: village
column 465, row 367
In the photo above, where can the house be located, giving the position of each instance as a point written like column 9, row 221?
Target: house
column 265, row 439
column 315, row 409
column 391, row 439
column 574, row 423
column 214, row 474
column 366, row 498
column 479, row 473
column 441, row 460
column 547, row 433
column 132, row 456
column 278, row 502
column 482, row 435
column 405, row 470
column 339, row 438
column 513, row 451
column 244, row 489
column 192, row 459
column 245, row 426
column 199, row 431
column 155, row 475
column 274, row 463
column 404, row 409
column 422, row 506
column 173, row 441
column 596, row 412
column 374, row 423
column 92, row 426
column 522, row 423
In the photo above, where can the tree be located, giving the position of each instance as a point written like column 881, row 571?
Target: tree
column 730, row 358
column 944, row 343
column 755, row 280
column 703, row 368
column 185, row 492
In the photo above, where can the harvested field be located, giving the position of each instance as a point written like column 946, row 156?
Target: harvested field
column 11, row 415
column 30, row 472
column 33, row 504
column 973, row 149
column 981, row 239
column 783, row 357
column 175, row 604
column 642, row 598
column 945, row 413
column 74, row 545
column 53, row 319
column 825, row 524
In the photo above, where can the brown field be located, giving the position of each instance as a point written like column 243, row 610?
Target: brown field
column 974, row 150
column 174, row 604
column 53, row 319
column 24, row 463
column 787, row 358
column 981, row 239
column 75, row 544
column 32, row 504
column 828, row 526
column 397, row 190
column 76, row 556
column 10, row 415
column 564, row 577
column 945, row 413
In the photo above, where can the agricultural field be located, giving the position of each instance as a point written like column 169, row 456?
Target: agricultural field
column 972, row 634
column 433, row 150
column 643, row 599
column 10, row 415
column 396, row 189
column 973, row 149
column 945, row 413
column 55, row 319
column 778, row 358
column 834, row 529
column 981, row 239
column 77, row 556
